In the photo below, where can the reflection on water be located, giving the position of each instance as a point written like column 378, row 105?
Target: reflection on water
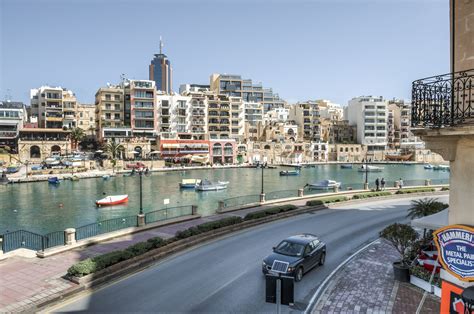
column 42, row 207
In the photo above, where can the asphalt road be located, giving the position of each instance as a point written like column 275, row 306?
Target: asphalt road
column 225, row 275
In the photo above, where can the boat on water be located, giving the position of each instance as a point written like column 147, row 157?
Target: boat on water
column 346, row 166
column 206, row 185
column 428, row 166
column 370, row 168
column 74, row 178
column 106, row 177
column 323, row 185
column 189, row 183
column 52, row 161
column 12, row 169
column 4, row 179
column 398, row 157
column 112, row 200
column 290, row 172
column 441, row 167
column 53, row 180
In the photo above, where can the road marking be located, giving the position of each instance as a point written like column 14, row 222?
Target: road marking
column 324, row 283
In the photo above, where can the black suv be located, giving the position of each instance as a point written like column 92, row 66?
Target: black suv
column 302, row 252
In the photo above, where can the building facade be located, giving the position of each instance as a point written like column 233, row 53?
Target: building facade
column 109, row 112
column 54, row 107
column 13, row 116
column 160, row 72
column 85, row 118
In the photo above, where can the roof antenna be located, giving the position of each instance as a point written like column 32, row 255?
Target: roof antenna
column 161, row 46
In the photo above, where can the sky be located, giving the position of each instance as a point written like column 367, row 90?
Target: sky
column 304, row 50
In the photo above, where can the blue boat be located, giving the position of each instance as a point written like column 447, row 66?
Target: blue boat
column 346, row 166
column 290, row 172
column 53, row 180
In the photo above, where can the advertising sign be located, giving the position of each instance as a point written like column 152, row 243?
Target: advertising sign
column 455, row 245
column 451, row 301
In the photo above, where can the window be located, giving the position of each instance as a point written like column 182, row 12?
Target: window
column 116, row 97
column 108, row 116
column 108, row 106
column 81, row 114
column 117, row 107
column 107, row 97
column 117, row 116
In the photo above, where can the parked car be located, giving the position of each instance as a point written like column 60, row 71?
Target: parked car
column 302, row 252
column 135, row 166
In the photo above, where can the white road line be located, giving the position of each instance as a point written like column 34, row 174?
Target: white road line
column 324, row 283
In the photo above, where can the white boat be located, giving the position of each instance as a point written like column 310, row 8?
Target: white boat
column 428, row 166
column 52, row 161
column 323, row 185
column 441, row 167
column 370, row 169
column 189, row 183
column 112, row 200
column 106, row 177
column 206, row 185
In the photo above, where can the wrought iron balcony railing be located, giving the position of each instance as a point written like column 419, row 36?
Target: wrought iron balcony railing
column 443, row 100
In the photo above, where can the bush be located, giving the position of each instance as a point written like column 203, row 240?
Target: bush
column 325, row 200
column 270, row 211
column 445, row 188
column 425, row 207
column 208, row 226
column 371, row 194
column 422, row 273
column 94, row 264
column 402, row 237
column 419, row 190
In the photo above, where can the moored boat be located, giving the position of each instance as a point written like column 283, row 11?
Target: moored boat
column 206, row 185
column 106, row 177
column 13, row 169
column 370, row 169
column 346, row 166
column 290, row 172
column 53, row 180
column 189, row 183
column 323, row 185
column 428, row 166
column 112, row 200
column 441, row 167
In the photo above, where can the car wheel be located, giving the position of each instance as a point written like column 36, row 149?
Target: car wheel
column 299, row 274
column 322, row 259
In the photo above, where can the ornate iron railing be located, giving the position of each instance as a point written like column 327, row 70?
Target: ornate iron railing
column 443, row 100
column 105, row 226
column 22, row 239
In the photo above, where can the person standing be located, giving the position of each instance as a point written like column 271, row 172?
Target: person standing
column 377, row 184
column 382, row 183
column 400, row 183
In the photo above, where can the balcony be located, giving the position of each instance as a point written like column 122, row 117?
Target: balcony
column 443, row 100
column 8, row 134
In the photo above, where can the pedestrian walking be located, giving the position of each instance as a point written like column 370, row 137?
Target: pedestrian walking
column 400, row 183
column 377, row 184
column 382, row 183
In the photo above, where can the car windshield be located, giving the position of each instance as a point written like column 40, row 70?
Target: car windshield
column 289, row 248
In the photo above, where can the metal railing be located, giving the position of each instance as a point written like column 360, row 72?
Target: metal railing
column 53, row 239
column 168, row 213
column 443, row 100
column 22, row 239
column 241, row 200
column 105, row 226
column 280, row 194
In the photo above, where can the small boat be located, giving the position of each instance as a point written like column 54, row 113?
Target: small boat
column 13, row 169
column 323, row 185
column 189, row 183
column 36, row 167
column 206, row 185
column 441, row 167
column 428, row 166
column 53, row 180
column 112, row 200
column 370, row 169
column 52, row 161
column 223, row 182
column 3, row 179
column 398, row 157
column 346, row 166
column 105, row 177
column 272, row 167
column 74, row 178
column 289, row 172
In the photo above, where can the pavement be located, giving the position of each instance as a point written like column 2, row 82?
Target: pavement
column 27, row 282
column 366, row 285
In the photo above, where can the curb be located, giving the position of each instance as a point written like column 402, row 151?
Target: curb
column 324, row 285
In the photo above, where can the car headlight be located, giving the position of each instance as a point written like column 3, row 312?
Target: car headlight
column 264, row 264
column 290, row 269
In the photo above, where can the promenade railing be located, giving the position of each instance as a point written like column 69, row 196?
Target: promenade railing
column 105, row 226
column 168, row 213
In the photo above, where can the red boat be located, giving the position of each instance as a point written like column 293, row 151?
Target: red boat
column 112, row 200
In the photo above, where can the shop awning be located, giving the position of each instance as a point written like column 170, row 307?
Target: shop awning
column 170, row 145
column 432, row 222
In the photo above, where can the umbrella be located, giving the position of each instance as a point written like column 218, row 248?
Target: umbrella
column 99, row 151
column 155, row 152
column 135, row 152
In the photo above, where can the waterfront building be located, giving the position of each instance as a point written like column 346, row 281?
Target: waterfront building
column 237, row 119
column 346, row 152
column 307, row 117
column 285, row 152
column 320, row 151
column 219, row 116
column 277, row 115
column 176, row 118
column 369, row 114
column 85, row 118
column 109, row 112
column 194, row 88
column 13, row 116
column 223, row 151
column 278, row 132
column 160, row 71
column 234, row 85
column 37, row 144
column 340, row 131
column 143, row 117
column 253, row 117
column 329, row 110
column 399, row 135
column 184, row 151
column 54, row 107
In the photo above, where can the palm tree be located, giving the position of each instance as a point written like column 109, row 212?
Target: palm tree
column 77, row 135
column 425, row 207
column 113, row 149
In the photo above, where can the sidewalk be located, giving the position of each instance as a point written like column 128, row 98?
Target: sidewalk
column 366, row 285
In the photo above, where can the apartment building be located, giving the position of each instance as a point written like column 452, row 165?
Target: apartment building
column 234, row 85
column 142, row 118
column 253, row 116
column 55, row 107
column 308, row 118
column 341, row 131
column 176, row 115
column 329, row 110
column 12, row 118
column 85, row 118
column 277, row 115
column 161, row 72
column 399, row 135
column 370, row 115
column 237, row 118
column 219, row 125
column 109, row 113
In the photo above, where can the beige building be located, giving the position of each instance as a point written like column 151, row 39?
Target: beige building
column 37, row 144
column 218, row 116
column 342, row 132
column 54, row 107
column 346, row 152
column 85, row 117
column 307, row 117
column 399, row 135
column 109, row 105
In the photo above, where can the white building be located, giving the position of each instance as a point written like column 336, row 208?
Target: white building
column 55, row 107
column 370, row 115
column 277, row 115
column 174, row 114
column 12, row 117
column 329, row 110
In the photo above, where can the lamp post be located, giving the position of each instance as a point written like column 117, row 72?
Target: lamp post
column 140, row 172
column 262, row 192
column 366, row 184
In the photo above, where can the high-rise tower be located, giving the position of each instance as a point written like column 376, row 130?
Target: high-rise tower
column 161, row 71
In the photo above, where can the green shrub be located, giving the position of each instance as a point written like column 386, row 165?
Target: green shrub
column 402, row 237
column 139, row 248
column 157, row 242
column 419, row 190
column 325, row 200
column 208, row 226
column 371, row 194
column 445, row 188
column 270, row 211
column 422, row 273
column 82, row 268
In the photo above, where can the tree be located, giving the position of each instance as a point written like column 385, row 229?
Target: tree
column 77, row 135
column 425, row 207
column 113, row 149
column 402, row 237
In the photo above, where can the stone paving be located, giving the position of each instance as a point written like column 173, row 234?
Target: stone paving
column 366, row 285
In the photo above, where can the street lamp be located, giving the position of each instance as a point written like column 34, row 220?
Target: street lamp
column 262, row 178
column 366, row 185
column 140, row 172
